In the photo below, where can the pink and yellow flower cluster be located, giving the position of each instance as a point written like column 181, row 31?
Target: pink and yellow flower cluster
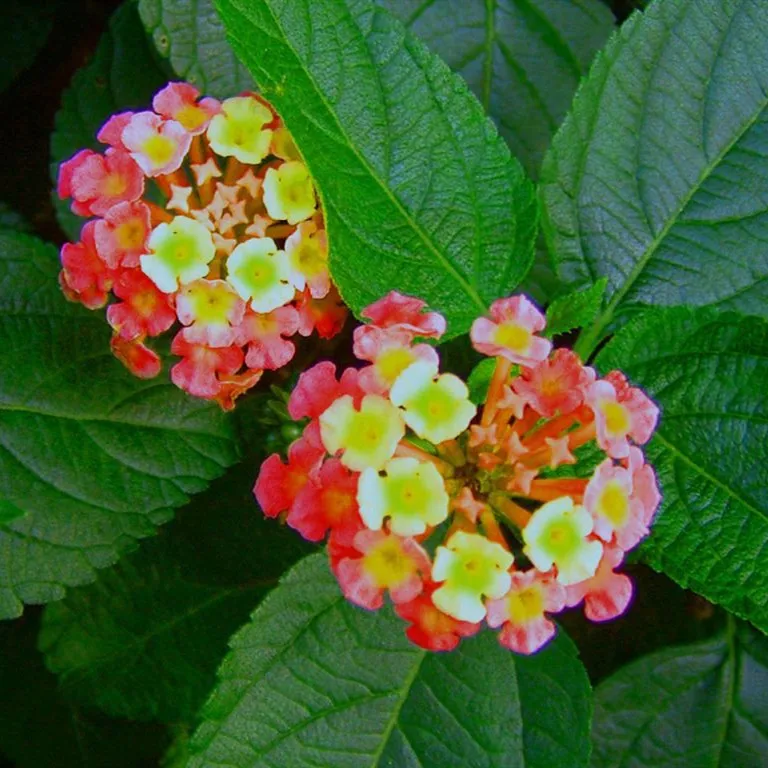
column 465, row 515
column 202, row 219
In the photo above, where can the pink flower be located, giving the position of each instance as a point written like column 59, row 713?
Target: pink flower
column 198, row 369
column 391, row 352
column 609, row 497
column 97, row 182
column 264, row 335
column 179, row 102
column 379, row 562
column 555, row 385
column 121, row 236
column 621, row 412
column 158, row 146
column 85, row 276
column 278, row 484
column 327, row 501
column 112, row 131
column 511, row 332
column 144, row 311
column 139, row 359
column 607, row 594
column 318, row 388
column 405, row 313
column 212, row 310
column 430, row 628
column 646, row 490
column 326, row 316
column 521, row 612
column 307, row 251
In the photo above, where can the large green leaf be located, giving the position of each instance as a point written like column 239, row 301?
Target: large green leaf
column 145, row 639
column 659, row 176
column 95, row 457
column 522, row 58
column 420, row 192
column 313, row 680
column 709, row 374
column 702, row 705
column 190, row 34
column 40, row 728
column 121, row 76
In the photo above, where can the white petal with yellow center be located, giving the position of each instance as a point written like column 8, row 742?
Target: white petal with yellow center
column 259, row 271
column 412, row 495
column 367, row 437
column 470, row 567
column 289, row 194
column 238, row 130
column 180, row 253
column 436, row 408
column 556, row 535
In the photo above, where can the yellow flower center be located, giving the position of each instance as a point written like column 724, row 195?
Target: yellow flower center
column 115, row 184
column 526, row 605
column 130, row 234
column 614, row 504
column 616, row 418
column 191, row 117
column 513, row 336
column 365, row 431
column 392, row 362
column 159, row 149
column 387, row 564
column 561, row 539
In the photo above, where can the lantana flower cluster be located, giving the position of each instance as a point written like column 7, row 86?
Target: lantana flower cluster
column 203, row 221
column 467, row 515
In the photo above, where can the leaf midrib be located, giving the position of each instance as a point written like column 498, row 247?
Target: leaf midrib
column 428, row 243
column 175, row 429
column 709, row 477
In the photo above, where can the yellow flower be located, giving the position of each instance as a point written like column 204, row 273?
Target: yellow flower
column 288, row 193
column 367, row 437
column 436, row 408
column 180, row 253
column 238, row 130
column 259, row 271
column 412, row 495
column 471, row 567
column 557, row 535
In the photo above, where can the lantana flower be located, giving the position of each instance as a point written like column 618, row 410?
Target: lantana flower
column 395, row 462
column 204, row 224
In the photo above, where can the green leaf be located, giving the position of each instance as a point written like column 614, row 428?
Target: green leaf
column 145, row 639
column 190, row 34
column 24, row 29
column 420, row 193
column 658, row 177
column 95, row 457
column 700, row 705
column 480, row 380
column 39, row 728
column 576, row 309
column 312, row 680
column 522, row 58
column 121, row 76
column 709, row 375
column 9, row 512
